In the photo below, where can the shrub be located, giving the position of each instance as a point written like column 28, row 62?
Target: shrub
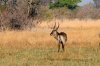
column 71, row 4
column 15, row 24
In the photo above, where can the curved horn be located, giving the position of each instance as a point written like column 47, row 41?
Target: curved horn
column 54, row 26
column 57, row 27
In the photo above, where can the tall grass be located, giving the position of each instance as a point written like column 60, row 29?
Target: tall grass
column 38, row 48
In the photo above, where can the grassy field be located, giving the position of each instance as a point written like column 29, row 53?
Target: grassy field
column 38, row 48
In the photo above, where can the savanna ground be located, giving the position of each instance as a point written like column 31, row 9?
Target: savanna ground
column 38, row 48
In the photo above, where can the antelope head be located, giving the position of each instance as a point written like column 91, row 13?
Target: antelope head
column 54, row 31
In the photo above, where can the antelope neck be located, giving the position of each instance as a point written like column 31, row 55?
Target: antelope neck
column 57, row 34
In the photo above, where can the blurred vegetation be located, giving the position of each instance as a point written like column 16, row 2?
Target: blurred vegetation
column 2, row 8
column 30, row 12
column 71, row 4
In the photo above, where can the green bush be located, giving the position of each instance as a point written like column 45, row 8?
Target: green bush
column 71, row 4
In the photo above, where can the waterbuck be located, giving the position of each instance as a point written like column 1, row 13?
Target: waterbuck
column 61, row 37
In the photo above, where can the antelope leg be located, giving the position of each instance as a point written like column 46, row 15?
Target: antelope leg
column 58, row 47
column 63, row 47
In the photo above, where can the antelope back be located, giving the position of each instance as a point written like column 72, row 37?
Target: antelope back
column 62, row 37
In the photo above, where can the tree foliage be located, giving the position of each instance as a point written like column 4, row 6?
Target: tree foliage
column 71, row 4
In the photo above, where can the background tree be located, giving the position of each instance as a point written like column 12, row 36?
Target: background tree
column 71, row 4
column 97, row 3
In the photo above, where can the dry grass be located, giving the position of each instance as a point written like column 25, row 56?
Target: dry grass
column 79, row 32
column 38, row 48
